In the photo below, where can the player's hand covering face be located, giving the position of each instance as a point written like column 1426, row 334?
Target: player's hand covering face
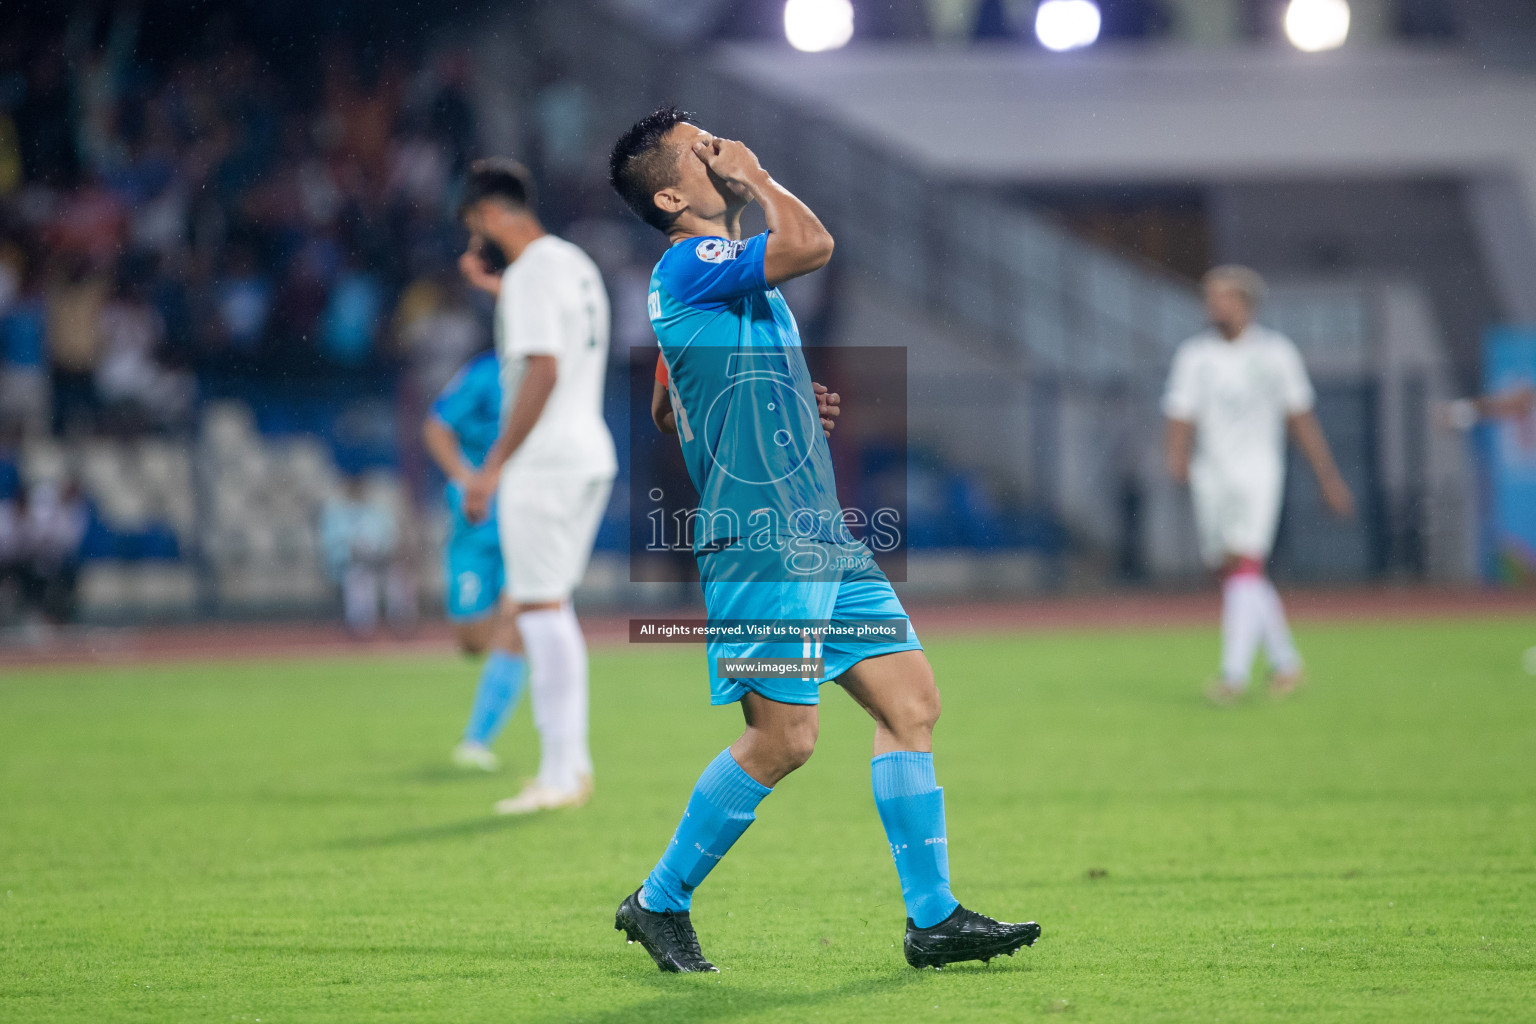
column 475, row 269
column 729, row 163
column 709, row 172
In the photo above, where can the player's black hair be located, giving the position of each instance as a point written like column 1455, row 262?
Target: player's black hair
column 497, row 178
column 642, row 164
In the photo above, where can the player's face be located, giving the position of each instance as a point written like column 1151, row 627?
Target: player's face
column 487, row 219
column 1227, row 307
column 704, row 194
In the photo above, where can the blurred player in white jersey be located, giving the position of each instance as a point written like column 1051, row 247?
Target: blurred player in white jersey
column 552, row 466
column 1233, row 392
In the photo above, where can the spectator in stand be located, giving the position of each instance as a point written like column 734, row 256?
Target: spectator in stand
column 237, row 192
column 10, row 473
column 12, row 563
column 360, row 540
column 351, row 317
column 157, row 190
column 24, row 392
column 10, row 149
column 53, row 527
column 12, row 263
column 244, row 300
column 302, row 298
column 130, row 381
column 418, row 172
column 75, row 301
column 92, row 223
column 173, row 290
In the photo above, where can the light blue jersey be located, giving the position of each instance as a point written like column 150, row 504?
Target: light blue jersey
column 470, row 406
column 769, row 536
column 746, row 414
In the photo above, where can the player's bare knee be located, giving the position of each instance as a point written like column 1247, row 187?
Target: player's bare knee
column 912, row 723
column 769, row 751
column 471, row 642
column 797, row 744
column 919, row 707
column 926, row 708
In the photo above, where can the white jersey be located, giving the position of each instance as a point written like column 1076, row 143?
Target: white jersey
column 1238, row 394
column 552, row 302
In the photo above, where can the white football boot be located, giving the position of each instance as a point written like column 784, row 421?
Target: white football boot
column 475, row 756
column 536, row 796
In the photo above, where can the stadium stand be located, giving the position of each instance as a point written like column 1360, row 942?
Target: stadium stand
column 222, row 291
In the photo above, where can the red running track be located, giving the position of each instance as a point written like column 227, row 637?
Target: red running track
column 266, row 641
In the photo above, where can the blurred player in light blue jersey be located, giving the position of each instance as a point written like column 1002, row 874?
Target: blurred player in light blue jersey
column 464, row 422
column 771, row 544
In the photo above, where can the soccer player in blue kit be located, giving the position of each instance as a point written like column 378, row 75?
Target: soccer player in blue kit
column 461, row 428
column 771, row 543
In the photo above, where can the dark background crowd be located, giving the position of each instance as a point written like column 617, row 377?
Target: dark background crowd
column 195, row 208
column 228, row 288
column 252, row 205
column 210, row 217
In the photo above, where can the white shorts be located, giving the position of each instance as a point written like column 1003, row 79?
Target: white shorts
column 546, row 524
column 1236, row 516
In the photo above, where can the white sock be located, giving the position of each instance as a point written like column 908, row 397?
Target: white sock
column 576, row 725
column 557, row 690
column 1242, row 626
column 1279, row 647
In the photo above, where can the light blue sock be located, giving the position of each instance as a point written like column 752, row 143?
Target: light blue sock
column 911, row 807
column 501, row 682
column 719, row 811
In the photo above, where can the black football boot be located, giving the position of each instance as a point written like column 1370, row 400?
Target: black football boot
column 668, row 936
column 965, row 935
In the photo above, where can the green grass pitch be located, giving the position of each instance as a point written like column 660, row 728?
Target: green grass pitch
column 284, row 842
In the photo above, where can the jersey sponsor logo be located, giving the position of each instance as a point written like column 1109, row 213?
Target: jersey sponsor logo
column 653, row 305
column 718, row 250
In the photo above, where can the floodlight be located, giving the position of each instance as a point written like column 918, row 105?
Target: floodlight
column 1067, row 24
column 817, row 25
column 1313, row 25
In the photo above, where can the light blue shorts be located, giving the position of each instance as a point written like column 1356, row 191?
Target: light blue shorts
column 474, row 570
column 740, row 585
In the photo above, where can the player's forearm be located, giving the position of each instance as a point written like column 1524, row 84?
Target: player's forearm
column 532, row 395
column 443, row 445
column 1309, row 435
column 798, row 243
column 1177, row 447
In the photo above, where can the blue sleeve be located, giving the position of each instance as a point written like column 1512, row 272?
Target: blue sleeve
column 711, row 273
column 473, row 393
column 451, row 403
